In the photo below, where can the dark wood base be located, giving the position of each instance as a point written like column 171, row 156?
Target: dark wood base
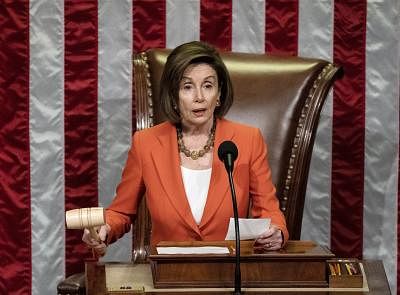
column 299, row 264
column 375, row 282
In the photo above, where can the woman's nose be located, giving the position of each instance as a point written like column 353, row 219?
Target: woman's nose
column 199, row 95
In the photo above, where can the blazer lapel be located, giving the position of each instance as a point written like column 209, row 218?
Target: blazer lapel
column 167, row 163
column 219, row 183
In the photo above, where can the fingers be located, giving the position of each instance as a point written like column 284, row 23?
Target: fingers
column 96, row 244
column 270, row 240
column 100, row 249
column 88, row 239
column 271, row 246
column 268, row 244
column 103, row 232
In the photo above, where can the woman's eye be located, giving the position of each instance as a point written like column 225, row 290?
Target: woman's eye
column 187, row 86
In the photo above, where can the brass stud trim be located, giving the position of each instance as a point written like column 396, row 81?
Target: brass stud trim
column 142, row 66
column 299, row 132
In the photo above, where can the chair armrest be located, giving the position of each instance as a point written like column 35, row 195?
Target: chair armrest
column 73, row 285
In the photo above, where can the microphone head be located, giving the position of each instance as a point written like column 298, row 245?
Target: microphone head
column 225, row 148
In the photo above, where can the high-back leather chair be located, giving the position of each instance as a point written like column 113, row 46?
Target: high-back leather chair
column 283, row 96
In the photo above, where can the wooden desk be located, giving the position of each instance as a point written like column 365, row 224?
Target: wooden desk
column 299, row 264
column 140, row 275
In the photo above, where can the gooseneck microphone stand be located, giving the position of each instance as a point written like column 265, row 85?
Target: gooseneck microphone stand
column 227, row 152
column 238, row 276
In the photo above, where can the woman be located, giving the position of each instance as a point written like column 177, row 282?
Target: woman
column 177, row 167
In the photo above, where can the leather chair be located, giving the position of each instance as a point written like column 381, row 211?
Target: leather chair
column 283, row 96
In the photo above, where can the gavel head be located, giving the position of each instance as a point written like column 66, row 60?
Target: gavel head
column 85, row 218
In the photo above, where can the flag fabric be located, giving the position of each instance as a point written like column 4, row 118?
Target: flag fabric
column 68, row 113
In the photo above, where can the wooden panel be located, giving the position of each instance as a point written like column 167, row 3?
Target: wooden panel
column 299, row 264
column 375, row 282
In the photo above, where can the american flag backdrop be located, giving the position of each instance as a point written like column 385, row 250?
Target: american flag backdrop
column 67, row 114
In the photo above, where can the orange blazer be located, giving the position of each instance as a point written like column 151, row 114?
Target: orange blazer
column 153, row 170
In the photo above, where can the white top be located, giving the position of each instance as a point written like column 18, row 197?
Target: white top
column 196, row 183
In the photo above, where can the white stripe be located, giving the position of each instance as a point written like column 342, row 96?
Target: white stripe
column 382, row 135
column 46, row 123
column 183, row 22
column 248, row 26
column 115, row 105
column 315, row 40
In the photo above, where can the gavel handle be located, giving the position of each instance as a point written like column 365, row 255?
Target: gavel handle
column 94, row 234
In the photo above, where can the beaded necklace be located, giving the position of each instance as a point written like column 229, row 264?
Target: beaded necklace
column 200, row 153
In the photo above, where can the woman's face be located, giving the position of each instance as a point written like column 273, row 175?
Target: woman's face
column 198, row 95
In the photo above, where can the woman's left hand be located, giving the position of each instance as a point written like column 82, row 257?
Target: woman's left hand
column 270, row 240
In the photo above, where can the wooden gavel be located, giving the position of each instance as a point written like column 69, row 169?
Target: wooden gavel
column 86, row 218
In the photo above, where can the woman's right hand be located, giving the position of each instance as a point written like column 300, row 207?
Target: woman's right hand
column 98, row 245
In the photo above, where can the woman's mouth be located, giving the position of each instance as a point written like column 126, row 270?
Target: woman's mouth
column 199, row 112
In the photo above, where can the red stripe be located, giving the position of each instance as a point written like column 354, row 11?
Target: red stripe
column 216, row 23
column 348, row 129
column 281, row 27
column 80, row 119
column 15, row 209
column 148, row 24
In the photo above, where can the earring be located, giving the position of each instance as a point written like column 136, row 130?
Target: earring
column 218, row 103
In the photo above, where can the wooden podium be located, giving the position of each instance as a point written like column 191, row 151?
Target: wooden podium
column 299, row 264
column 300, row 268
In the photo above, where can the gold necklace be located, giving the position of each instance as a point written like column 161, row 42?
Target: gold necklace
column 195, row 154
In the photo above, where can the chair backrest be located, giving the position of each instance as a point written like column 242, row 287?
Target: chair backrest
column 283, row 96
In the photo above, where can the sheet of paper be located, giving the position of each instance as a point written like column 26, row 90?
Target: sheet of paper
column 249, row 228
column 193, row 250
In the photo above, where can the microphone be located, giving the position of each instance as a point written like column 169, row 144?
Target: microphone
column 227, row 153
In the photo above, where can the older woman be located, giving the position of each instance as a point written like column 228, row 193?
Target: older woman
column 175, row 164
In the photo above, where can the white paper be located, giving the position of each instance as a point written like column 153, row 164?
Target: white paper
column 193, row 250
column 249, row 228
